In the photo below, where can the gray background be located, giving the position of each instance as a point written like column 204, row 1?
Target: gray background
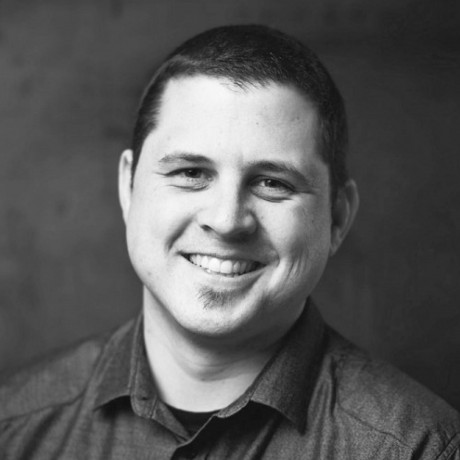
column 70, row 77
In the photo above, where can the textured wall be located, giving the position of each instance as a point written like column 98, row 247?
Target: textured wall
column 70, row 76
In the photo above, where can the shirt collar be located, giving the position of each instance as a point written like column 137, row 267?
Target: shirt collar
column 285, row 384
column 119, row 362
column 287, row 381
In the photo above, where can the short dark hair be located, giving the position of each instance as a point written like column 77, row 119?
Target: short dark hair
column 254, row 55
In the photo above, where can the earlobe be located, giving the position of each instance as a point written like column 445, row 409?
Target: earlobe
column 125, row 182
column 343, row 214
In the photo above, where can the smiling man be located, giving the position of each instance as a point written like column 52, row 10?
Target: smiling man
column 235, row 194
column 229, row 227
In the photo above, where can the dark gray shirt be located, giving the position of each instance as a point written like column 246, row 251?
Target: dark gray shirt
column 318, row 398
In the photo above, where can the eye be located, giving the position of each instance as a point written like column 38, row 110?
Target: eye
column 272, row 189
column 192, row 173
column 273, row 183
column 190, row 178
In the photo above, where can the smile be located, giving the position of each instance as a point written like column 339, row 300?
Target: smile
column 226, row 267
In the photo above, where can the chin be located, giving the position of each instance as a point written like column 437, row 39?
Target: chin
column 219, row 314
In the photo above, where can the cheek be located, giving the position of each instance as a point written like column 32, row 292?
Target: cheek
column 301, row 236
column 158, row 217
column 153, row 227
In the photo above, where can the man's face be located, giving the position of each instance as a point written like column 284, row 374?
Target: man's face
column 229, row 218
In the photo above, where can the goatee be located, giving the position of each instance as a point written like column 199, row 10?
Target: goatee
column 212, row 298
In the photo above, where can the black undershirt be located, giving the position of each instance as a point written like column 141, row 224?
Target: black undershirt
column 191, row 421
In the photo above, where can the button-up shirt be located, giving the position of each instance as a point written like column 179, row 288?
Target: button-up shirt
column 318, row 398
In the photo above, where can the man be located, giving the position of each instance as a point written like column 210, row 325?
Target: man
column 234, row 194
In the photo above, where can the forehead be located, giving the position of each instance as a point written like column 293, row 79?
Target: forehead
column 205, row 94
column 215, row 110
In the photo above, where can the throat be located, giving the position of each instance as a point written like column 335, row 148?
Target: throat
column 196, row 382
column 194, row 375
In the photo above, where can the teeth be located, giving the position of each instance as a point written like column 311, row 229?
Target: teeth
column 214, row 265
column 224, row 267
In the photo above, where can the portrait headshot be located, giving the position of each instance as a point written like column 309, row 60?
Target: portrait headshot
column 229, row 230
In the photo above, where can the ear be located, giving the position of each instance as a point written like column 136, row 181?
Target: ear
column 125, row 182
column 343, row 214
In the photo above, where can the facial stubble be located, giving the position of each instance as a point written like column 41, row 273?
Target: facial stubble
column 212, row 298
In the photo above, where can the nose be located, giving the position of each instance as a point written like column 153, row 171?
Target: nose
column 228, row 214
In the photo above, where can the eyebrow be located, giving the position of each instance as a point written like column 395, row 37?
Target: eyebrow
column 183, row 156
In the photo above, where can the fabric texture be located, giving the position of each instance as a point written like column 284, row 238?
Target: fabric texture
column 318, row 398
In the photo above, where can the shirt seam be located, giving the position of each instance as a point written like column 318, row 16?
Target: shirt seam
column 374, row 428
column 79, row 395
column 42, row 409
column 444, row 451
column 450, row 449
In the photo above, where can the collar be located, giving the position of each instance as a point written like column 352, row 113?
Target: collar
column 119, row 364
column 287, row 381
column 285, row 384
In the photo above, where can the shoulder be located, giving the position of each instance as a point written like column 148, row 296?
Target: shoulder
column 373, row 394
column 54, row 380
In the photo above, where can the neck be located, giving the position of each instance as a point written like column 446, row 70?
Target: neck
column 195, row 374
